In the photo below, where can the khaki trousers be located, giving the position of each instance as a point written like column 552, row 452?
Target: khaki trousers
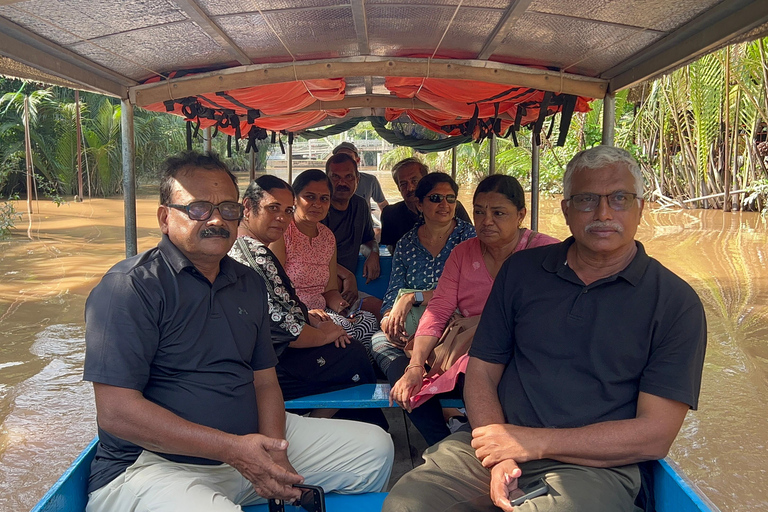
column 453, row 480
column 348, row 457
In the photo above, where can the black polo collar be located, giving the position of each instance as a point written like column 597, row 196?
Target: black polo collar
column 227, row 266
column 555, row 262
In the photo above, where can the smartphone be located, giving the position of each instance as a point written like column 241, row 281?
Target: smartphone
column 522, row 494
column 353, row 309
column 312, row 500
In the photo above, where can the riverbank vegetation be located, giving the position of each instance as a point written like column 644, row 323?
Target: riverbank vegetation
column 695, row 131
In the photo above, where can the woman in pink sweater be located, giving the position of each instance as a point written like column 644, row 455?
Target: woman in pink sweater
column 498, row 212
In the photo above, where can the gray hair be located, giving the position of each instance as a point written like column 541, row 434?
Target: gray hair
column 599, row 157
column 409, row 161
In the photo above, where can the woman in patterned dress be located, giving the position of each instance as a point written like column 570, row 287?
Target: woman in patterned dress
column 417, row 263
column 314, row 354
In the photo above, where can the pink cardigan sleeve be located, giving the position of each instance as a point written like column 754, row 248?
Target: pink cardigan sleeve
column 445, row 299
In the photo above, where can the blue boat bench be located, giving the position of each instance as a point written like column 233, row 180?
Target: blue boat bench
column 672, row 490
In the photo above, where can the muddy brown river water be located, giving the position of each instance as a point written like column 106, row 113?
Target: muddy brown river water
column 47, row 414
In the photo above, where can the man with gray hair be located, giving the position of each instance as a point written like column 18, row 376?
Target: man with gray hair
column 586, row 360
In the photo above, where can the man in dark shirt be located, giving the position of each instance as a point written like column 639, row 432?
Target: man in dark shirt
column 397, row 219
column 586, row 360
column 190, row 413
column 349, row 218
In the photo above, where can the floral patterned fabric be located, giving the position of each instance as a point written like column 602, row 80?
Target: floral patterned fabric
column 307, row 261
column 287, row 313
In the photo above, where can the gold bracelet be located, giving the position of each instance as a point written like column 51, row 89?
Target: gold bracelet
column 423, row 371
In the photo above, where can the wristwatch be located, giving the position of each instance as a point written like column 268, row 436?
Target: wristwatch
column 418, row 298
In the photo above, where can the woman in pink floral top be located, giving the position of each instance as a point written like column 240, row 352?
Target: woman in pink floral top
column 498, row 212
column 309, row 257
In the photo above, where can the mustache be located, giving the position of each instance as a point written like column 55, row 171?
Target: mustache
column 342, row 187
column 599, row 224
column 214, row 231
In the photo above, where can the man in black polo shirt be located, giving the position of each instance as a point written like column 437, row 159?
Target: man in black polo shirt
column 178, row 348
column 586, row 360
column 397, row 219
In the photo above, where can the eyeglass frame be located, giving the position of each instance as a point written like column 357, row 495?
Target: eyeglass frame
column 607, row 198
column 449, row 198
column 212, row 207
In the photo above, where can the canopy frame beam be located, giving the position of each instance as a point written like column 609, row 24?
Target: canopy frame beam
column 265, row 74
column 23, row 46
column 196, row 14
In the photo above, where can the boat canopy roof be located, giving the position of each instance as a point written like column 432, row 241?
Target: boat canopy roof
column 464, row 68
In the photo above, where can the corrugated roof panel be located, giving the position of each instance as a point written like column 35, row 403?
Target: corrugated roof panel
column 494, row 4
column 252, row 35
column 577, row 46
column 223, row 7
column 72, row 21
column 141, row 53
column 307, row 33
column 323, row 33
column 417, row 28
column 661, row 15
column 469, row 31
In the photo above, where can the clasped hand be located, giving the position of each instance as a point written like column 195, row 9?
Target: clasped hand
column 263, row 461
column 496, row 442
column 407, row 386
column 394, row 326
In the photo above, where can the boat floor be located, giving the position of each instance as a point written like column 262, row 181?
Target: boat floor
column 409, row 445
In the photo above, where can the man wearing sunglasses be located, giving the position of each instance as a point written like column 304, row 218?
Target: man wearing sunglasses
column 585, row 362
column 189, row 410
column 397, row 219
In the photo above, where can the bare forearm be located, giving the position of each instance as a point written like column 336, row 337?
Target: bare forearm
column 271, row 408
column 128, row 415
column 607, row 444
column 422, row 347
column 481, row 394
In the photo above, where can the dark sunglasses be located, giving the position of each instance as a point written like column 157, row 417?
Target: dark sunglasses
column 438, row 198
column 202, row 210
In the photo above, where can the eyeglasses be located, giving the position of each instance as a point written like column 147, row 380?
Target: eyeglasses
column 438, row 198
column 618, row 201
column 202, row 210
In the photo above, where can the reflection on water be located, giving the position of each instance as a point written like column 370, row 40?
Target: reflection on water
column 47, row 414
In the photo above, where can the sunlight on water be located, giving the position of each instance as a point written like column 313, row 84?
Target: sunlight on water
column 47, row 414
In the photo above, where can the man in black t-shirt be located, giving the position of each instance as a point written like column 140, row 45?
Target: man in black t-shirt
column 397, row 219
column 587, row 357
column 349, row 218
column 178, row 348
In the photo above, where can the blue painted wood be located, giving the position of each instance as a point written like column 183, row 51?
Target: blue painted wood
column 70, row 492
column 377, row 287
column 364, row 396
column 675, row 492
column 370, row 502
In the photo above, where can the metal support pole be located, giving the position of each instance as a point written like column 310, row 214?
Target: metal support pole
column 609, row 118
column 290, row 162
column 207, row 140
column 492, row 154
column 534, row 184
column 453, row 163
column 252, row 169
column 78, row 131
column 129, row 177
